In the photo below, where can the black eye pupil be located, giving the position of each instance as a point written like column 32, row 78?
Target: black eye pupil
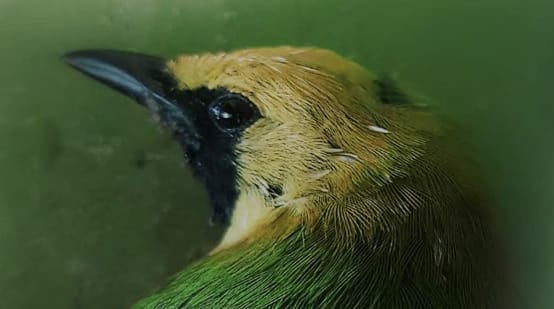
column 233, row 112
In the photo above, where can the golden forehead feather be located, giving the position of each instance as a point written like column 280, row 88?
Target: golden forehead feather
column 269, row 75
column 194, row 71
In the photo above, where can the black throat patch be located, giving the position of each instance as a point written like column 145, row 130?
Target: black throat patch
column 212, row 158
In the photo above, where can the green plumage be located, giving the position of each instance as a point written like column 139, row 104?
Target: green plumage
column 435, row 256
column 300, row 273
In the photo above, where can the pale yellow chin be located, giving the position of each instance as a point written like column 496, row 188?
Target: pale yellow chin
column 249, row 217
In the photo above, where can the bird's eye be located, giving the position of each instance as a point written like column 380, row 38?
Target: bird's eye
column 233, row 112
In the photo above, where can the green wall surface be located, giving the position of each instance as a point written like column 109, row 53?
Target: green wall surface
column 96, row 209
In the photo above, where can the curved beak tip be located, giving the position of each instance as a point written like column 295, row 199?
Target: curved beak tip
column 76, row 60
column 71, row 57
column 80, row 58
column 130, row 73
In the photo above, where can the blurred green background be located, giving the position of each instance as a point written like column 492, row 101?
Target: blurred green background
column 95, row 207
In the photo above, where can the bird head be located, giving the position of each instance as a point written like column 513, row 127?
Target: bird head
column 274, row 132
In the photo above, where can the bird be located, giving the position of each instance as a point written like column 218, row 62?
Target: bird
column 338, row 189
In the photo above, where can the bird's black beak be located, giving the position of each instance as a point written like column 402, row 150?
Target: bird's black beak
column 142, row 77
column 139, row 76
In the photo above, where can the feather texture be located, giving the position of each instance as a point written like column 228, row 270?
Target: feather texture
column 376, row 204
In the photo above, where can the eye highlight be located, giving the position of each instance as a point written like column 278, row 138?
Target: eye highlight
column 233, row 112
